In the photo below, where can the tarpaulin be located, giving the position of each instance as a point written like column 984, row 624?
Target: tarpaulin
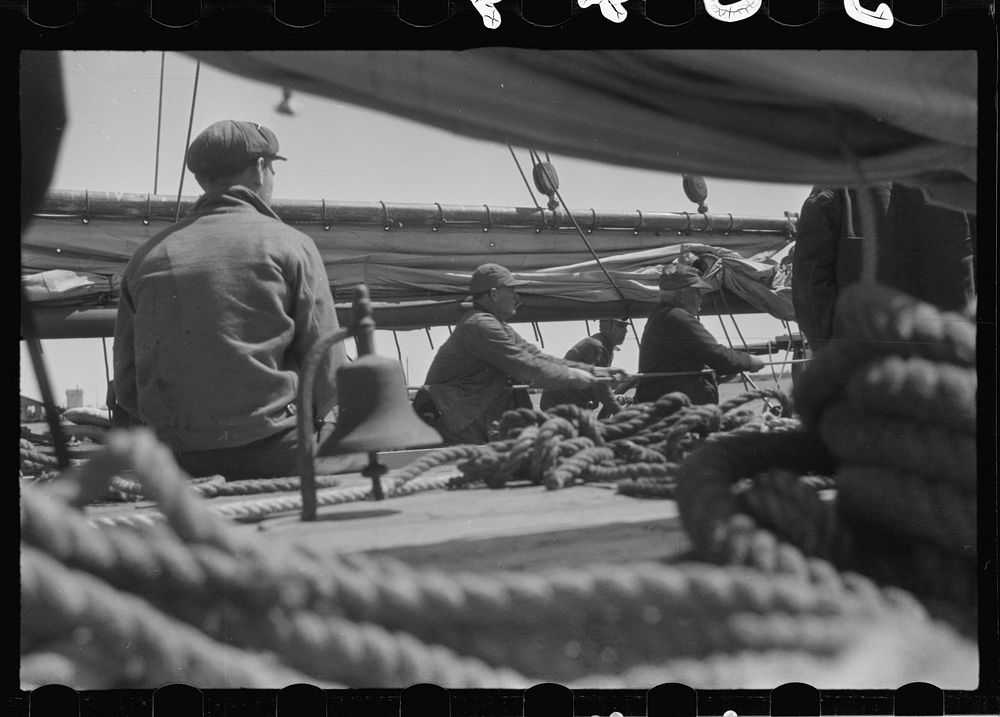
column 828, row 117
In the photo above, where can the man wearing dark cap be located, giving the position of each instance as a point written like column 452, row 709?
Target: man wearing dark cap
column 674, row 341
column 217, row 314
column 597, row 350
column 470, row 381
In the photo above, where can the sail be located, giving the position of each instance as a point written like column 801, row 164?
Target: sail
column 417, row 259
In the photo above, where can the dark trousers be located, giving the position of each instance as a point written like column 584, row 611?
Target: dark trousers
column 272, row 457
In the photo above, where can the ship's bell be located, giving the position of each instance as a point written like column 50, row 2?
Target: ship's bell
column 375, row 413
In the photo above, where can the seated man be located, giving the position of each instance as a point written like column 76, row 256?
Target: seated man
column 216, row 316
column 470, row 382
column 675, row 341
column 597, row 350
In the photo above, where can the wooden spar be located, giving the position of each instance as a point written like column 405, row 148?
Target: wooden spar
column 163, row 208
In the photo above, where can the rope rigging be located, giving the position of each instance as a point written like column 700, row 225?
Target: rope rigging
column 187, row 141
column 547, row 181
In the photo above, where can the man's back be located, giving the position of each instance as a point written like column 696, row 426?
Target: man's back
column 216, row 316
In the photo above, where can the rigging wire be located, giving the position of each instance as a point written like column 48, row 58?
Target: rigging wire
column 600, row 264
column 159, row 124
column 525, row 178
column 194, row 96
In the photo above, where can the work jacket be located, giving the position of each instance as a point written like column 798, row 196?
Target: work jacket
column 215, row 318
column 675, row 341
column 924, row 250
column 471, row 377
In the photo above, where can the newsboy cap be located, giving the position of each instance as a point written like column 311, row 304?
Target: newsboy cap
column 491, row 276
column 682, row 276
column 229, row 145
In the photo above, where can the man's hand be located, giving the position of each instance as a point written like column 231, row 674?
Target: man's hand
column 756, row 364
column 611, row 375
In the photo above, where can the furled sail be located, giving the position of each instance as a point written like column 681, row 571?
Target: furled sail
column 416, row 259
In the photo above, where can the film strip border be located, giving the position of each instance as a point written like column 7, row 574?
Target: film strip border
column 544, row 700
column 492, row 14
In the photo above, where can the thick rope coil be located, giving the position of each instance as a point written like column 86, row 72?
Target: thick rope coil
column 364, row 654
column 898, row 444
column 514, row 464
column 56, row 602
column 574, row 467
column 792, row 508
column 825, row 378
column 705, row 480
column 520, row 418
column 483, row 466
column 153, row 464
column 757, row 394
column 183, row 578
column 35, row 459
column 915, row 388
column 937, row 512
column 571, row 619
column 631, row 452
column 946, row 584
column 888, row 321
column 545, row 452
column 584, row 421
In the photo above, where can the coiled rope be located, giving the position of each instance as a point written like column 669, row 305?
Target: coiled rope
column 888, row 415
column 365, row 621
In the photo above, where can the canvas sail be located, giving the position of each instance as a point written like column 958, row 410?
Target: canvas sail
column 417, row 259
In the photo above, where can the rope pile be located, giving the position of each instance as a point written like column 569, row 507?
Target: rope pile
column 639, row 448
column 185, row 600
column 888, row 421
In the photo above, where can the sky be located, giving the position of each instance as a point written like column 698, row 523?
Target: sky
column 120, row 136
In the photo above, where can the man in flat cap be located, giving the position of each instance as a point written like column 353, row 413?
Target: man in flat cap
column 674, row 341
column 470, row 382
column 597, row 350
column 217, row 314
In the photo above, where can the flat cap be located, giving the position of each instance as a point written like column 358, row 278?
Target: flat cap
column 228, row 145
column 491, row 276
column 682, row 276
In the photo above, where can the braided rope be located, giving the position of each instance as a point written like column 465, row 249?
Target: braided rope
column 792, row 508
column 56, row 601
column 704, row 482
column 888, row 321
column 915, row 388
column 894, row 443
column 937, row 512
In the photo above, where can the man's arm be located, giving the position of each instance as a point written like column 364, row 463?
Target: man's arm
column 700, row 343
column 315, row 319
column 499, row 345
